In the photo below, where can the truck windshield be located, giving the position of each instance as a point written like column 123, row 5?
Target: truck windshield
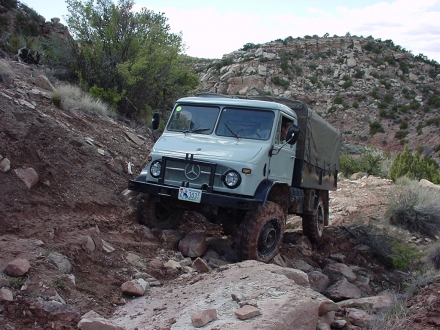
column 245, row 123
column 193, row 119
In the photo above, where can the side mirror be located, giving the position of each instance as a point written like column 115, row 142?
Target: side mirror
column 155, row 121
column 292, row 134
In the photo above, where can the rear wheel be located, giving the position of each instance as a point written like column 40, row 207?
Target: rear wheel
column 261, row 233
column 158, row 215
column 313, row 224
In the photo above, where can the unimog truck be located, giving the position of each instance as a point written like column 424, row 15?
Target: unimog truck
column 245, row 163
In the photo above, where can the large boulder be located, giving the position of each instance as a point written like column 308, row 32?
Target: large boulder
column 281, row 303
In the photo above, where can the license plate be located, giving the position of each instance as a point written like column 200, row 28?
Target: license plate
column 190, row 194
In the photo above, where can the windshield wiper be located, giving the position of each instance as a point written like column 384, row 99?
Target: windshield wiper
column 196, row 130
column 230, row 130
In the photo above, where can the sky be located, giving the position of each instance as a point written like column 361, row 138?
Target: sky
column 211, row 29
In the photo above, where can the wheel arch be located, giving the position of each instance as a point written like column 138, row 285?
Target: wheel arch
column 274, row 191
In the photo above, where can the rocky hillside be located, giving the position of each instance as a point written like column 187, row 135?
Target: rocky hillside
column 73, row 254
column 360, row 85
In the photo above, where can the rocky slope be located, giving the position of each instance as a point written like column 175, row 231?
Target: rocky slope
column 351, row 81
column 71, row 243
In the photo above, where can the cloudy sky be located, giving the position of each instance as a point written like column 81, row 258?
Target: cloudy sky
column 211, row 29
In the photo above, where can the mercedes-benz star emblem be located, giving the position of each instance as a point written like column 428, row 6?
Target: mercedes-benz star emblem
column 192, row 171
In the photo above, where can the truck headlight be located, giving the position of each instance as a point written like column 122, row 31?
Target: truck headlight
column 231, row 179
column 155, row 168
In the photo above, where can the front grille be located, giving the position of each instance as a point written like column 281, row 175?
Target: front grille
column 196, row 174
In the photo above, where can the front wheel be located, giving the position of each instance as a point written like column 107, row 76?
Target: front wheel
column 160, row 215
column 261, row 233
column 313, row 224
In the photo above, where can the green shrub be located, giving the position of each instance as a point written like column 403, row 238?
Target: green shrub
column 433, row 121
column 390, row 60
column 370, row 162
column 313, row 80
column 415, row 208
column 404, row 255
column 9, row 4
column 355, row 105
column 17, row 282
column 109, row 96
column 404, row 67
column 56, row 99
column 338, row 99
column 375, row 93
column 280, row 82
column 386, row 84
column 401, row 134
column 403, row 124
column 285, row 66
column 347, row 84
column 4, row 22
column 387, row 246
column 313, row 66
column 376, row 127
column 382, row 105
column 434, row 101
column 413, row 166
column 388, row 97
column 359, row 74
column 249, row 46
column 59, row 283
column 414, row 105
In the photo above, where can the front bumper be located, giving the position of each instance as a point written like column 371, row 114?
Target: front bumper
column 234, row 202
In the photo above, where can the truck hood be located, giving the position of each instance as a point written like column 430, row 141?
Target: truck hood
column 209, row 146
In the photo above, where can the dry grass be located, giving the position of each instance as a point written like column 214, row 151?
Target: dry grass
column 434, row 256
column 72, row 98
column 5, row 71
column 395, row 319
column 389, row 244
column 415, row 208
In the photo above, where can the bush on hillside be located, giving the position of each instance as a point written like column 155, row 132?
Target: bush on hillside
column 434, row 256
column 280, row 82
column 376, row 127
column 415, row 208
column 388, row 246
column 71, row 98
column 370, row 162
column 414, row 166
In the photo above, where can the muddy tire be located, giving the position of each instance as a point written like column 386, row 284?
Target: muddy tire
column 261, row 233
column 314, row 224
column 152, row 214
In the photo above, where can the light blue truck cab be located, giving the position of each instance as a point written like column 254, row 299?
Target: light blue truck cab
column 244, row 163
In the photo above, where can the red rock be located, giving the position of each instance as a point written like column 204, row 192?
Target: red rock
column 28, row 175
column 247, row 312
column 199, row 319
column 201, row 266
column 18, row 267
column 193, row 245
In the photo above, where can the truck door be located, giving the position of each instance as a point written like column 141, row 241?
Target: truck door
column 283, row 155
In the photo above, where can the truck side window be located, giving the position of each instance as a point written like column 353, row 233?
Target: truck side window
column 283, row 126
